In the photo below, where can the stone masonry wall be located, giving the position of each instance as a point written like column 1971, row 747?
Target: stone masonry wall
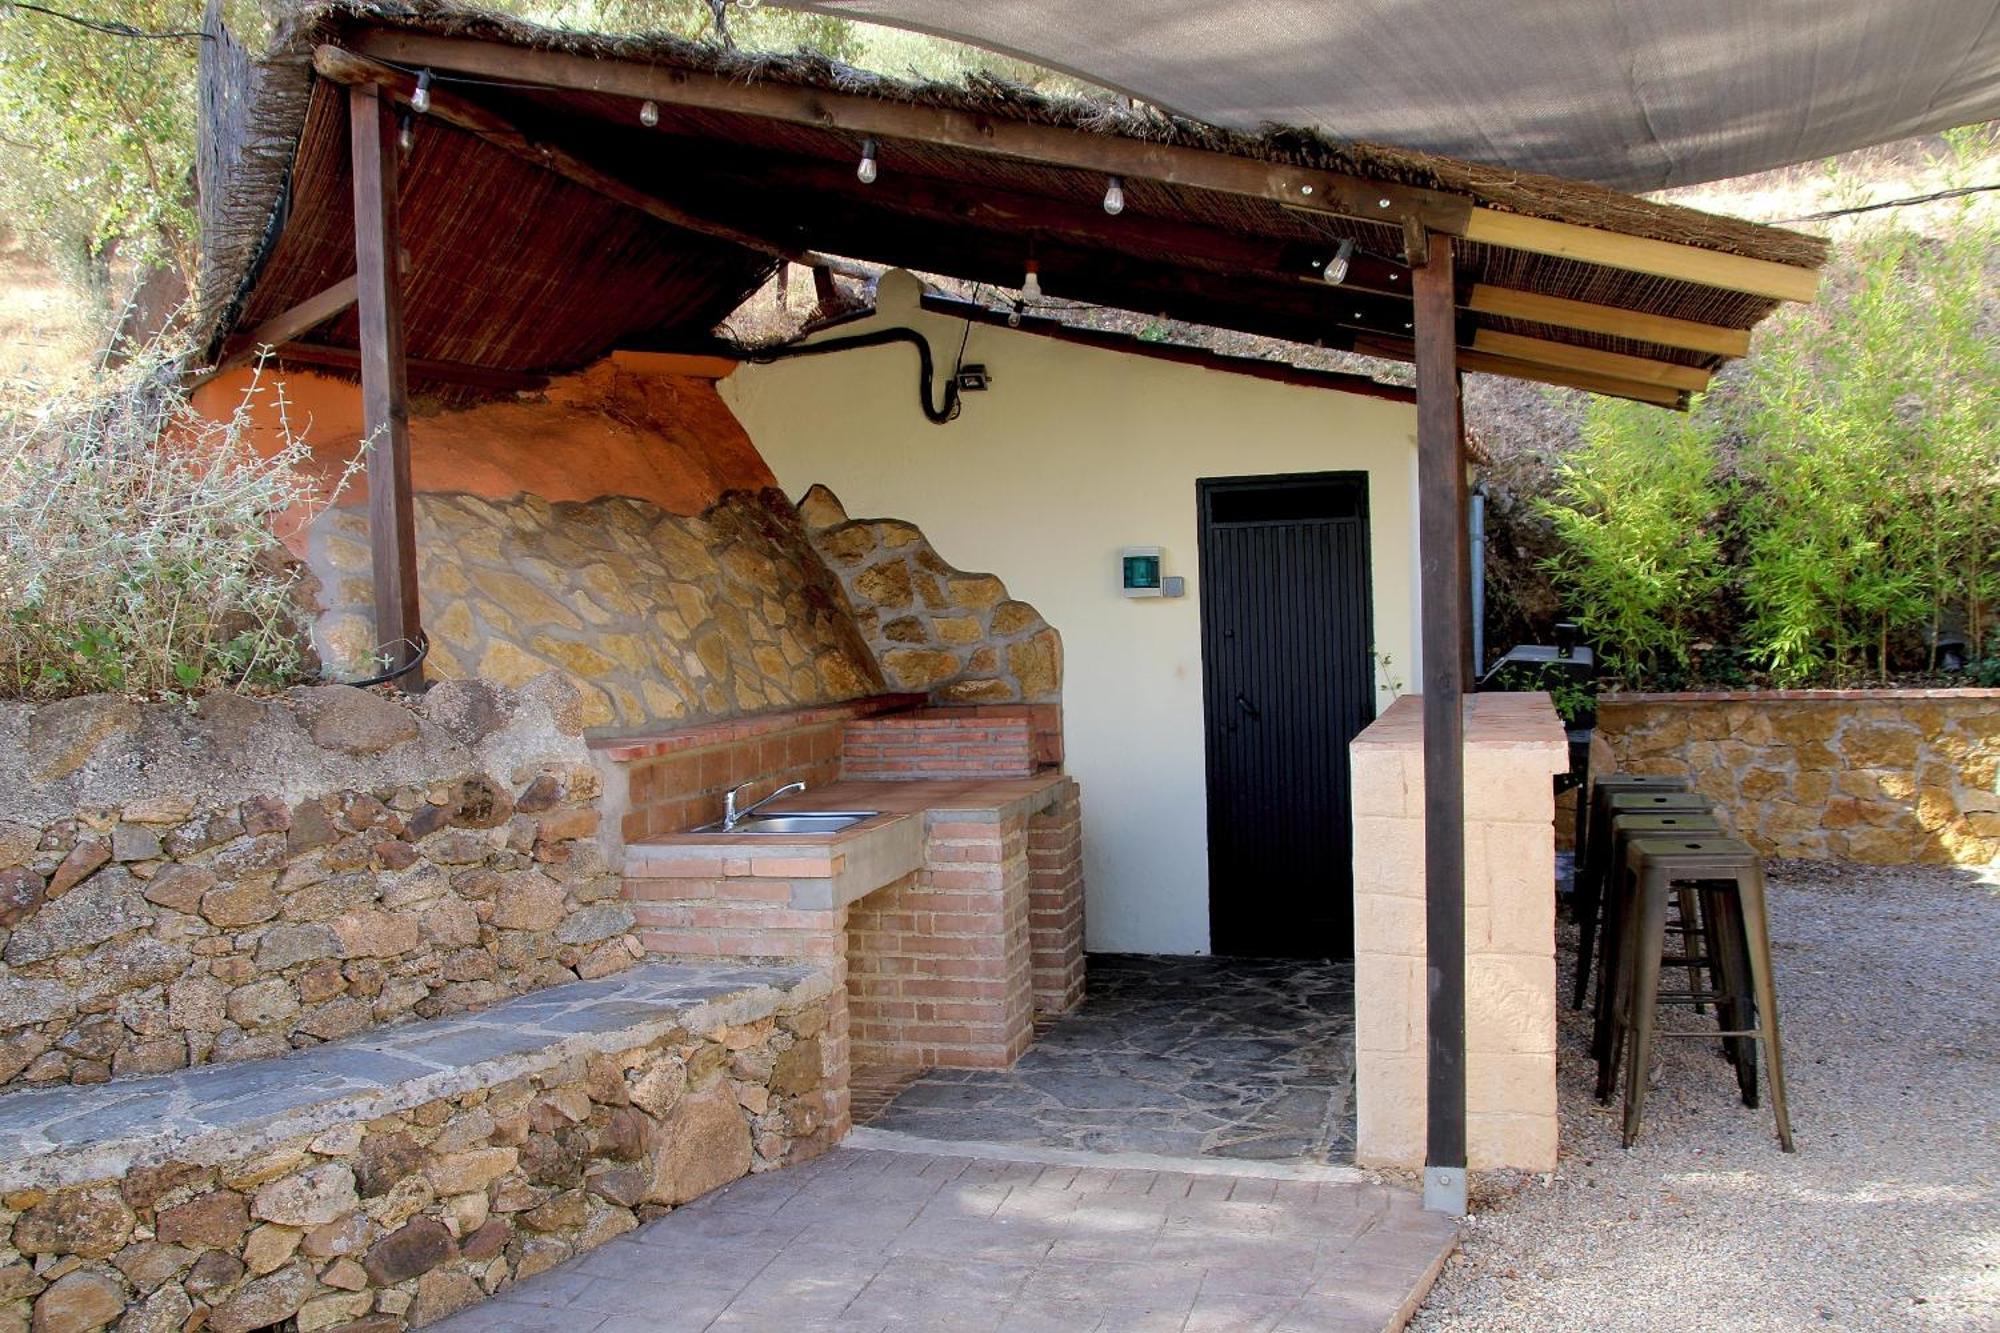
column 932, row 627
column 1887, row 777
column 179, row 888
column 653, row 616
column 396, row 1221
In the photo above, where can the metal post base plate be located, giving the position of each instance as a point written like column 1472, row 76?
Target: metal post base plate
column 1444, row 1190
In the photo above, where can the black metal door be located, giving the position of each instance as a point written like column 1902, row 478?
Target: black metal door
column 1288, row 680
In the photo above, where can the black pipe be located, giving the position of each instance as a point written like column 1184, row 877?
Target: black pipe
column 882, row 338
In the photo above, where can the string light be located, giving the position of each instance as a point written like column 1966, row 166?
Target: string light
column 649, row 114
column 1031, row 286
column 1114, row 196
column 420, row 100
column 406, row 133
column 867, row 171
column 1336, row 267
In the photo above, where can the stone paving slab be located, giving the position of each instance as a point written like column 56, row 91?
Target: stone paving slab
column 79, row 1134
column 889, row 1240
column 1247, row 1059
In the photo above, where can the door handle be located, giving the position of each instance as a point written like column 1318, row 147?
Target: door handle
column 1247, row 706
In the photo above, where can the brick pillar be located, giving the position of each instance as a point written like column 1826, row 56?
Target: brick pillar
column 939, row 962
column 1514, row 748
column 1055, row 903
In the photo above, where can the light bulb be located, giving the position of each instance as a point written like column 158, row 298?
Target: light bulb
column 1031, row 286
column 1336, row 267
column 867, row 171
column 420, row 100
column 1114, row 197
column 406, row 133
column 649, row 114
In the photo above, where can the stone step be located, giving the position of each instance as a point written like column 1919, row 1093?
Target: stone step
column 404, row 1173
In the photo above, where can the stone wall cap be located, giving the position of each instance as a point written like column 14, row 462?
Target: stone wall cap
column 1970, row 693
column 55, row 1138
column 1494, row 720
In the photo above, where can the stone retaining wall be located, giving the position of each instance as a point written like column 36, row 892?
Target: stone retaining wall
column 418, row 1210
column 179, row 887
column 931, row 626
column 1881, row 776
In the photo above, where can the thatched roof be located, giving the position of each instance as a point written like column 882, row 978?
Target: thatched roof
column 516, row 268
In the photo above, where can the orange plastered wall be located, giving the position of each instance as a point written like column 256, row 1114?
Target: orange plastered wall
column 630, row 425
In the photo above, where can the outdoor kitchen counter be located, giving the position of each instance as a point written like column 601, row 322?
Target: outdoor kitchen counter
column 830, row 870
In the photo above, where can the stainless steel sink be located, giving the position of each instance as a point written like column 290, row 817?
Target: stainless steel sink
column 796, row 822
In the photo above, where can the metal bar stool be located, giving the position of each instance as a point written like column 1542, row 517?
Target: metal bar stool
column 1594, row 865
column 1611, row 910
column 1693, row 926
column 1731, row 874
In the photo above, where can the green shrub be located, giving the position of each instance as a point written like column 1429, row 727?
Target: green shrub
column 1836, row 513
column 1635, row 512
column 137, row 543
column 1872, row 459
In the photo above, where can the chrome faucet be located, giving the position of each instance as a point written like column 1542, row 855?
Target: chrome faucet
column 731, row 816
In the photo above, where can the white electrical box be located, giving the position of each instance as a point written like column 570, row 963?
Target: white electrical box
column 1142, row 576
column 1142, row 573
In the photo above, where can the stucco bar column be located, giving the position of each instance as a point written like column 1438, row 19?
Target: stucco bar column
column 1514, row 746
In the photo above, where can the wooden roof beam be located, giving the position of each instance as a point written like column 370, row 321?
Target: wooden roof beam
column 1569, row 356
column 1046, row 218
column 1298, row 187
column 1690, row 335
column 355, row 71
column 1402, row 349
column 1639, row 254
column 281, row 328
column 863, row 116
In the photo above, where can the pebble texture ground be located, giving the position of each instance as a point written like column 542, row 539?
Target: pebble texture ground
column 1888, row 1217
column 1189, row 1057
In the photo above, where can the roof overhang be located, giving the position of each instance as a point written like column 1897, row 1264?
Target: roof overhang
column 546, row 224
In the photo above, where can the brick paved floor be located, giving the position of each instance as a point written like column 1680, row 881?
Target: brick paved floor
column 865, row 1239
column 1191, row 1057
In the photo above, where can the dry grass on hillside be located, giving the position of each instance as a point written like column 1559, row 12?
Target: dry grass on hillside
column 45, row 334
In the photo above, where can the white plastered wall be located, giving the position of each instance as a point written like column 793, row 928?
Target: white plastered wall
column 1074, row 453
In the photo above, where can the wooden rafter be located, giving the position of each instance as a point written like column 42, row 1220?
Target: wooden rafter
column 1042, row 218
column 1347, row 196
column 1639, row 254
column 356, row 71
column 1612, row 320
column 1569, row 356
column 859, row 115
column 283, row 327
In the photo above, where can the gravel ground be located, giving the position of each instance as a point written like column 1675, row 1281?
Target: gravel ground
column 1888, row 1216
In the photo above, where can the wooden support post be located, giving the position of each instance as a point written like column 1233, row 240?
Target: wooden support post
column 392, row 532
column 1441, row 559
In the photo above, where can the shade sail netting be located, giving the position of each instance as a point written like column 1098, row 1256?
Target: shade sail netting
column 1638, row 94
